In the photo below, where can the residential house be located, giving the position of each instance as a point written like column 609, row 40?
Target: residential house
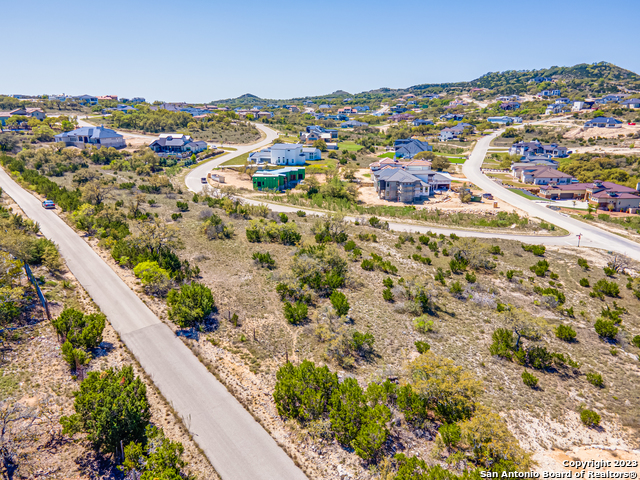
column 286, row 154
column 397, row 185
column 556, row 108
column 580, row 105
column 95, row 136
column 261, row 115
column 176, row 144
column 324, row 106
column 419, row 122
column 510, row 106
column 535, row 147
column 108, row 97
column 137, row 100
column 611, row 98
column 504, row 120
column 280, row 179
column 508, row 98
column 34, row 112
column 632, row 103
column 603, row 122
column 452, row 116
column 86, row 99
column 583, row 191
column 540, row 162
column 353, row 124
column 550, row 93
column 361, row 109
column 293, row 109
column 408, row 148
column 454, row 132
column 401, row 117
column 541, row 79
column 543, row 176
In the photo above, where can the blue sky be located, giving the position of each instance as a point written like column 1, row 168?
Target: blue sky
column 199, row 50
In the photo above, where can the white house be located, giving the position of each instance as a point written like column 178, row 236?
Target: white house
column 286, row 154
column 603, row 122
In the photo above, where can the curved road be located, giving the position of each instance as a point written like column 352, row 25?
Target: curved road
column 593, row 237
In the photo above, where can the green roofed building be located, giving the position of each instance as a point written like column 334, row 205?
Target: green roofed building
column 281, row 179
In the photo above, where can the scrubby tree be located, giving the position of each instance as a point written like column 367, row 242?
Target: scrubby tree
column 80, row 330
column 190, row 305
column 156, row 280
column 340, row 303
column 156, row 458
column 111, row 407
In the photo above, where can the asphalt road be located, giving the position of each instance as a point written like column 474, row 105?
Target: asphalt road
column 591, row 236
column 193, row 178
column 237, row 446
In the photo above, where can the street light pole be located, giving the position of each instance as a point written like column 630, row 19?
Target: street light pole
column 579, row 237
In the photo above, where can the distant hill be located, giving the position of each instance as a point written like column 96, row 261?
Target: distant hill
column 581, row 80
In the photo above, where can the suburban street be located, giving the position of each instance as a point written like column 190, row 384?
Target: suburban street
column 237, row 446
column 593, row 237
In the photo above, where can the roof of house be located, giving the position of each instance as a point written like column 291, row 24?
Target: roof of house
column 631, row 101
column 547, row 172
column 610, row 194
column 93, row 132
column 286, row 146
column 397, row 175
column 607, row 120
column 172, row 140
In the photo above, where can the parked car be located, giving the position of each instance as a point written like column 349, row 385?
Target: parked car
column 48, row 204
column 632, row 123
column 203, row 180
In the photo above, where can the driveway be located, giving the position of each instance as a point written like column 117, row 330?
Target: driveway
column 237, row 446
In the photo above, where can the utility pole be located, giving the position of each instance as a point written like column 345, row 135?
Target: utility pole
column 579, row 237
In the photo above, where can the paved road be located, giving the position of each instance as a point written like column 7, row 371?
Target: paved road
column 192, row 179
column 592, row 236
column 237, row 446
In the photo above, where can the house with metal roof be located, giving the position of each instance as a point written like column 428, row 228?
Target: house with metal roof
column 280, row 179
column 504, row 120
column 631, row 103
column 410, row 147
column 510, row 105
column 96, row 136
column 397, row 185
column 543, row 176
column 353, row 124
column 419, row 122
column 603, row 122
column 537, row 148
column 176, row 144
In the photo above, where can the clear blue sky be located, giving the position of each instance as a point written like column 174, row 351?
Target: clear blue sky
column 202, row 50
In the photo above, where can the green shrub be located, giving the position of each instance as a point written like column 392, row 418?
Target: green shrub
column 495, row 250
column 595, row 379
column 421, row 346
column 584, row 282
column 295, row 313
column 606, row 328
column 636, row 341
column 349, row 246
column 301, row 213
column 388, row 282
column 156, row 280
column 387, row 295
column 361, row 343
column 111, row 407
column 537, row 250
column 566, row 333
column 176, row 216
column 503, row 343
column 340, row 303
column 450, row 434
column 529, row 379
column 263, row 259
column 583, row 264
column 182, row 206
column 283, row 217
column 603, row 287
column 423, row 324
column 368, row 265
column 609, row 272
column 590, row 418
column 510, row 274
column 455, row 288
column 80, row 330
column 540, row 268
column 190, row 305
column 302, row 392
column 554, row 276
column 470, row 277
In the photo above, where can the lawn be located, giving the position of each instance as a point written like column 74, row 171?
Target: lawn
column 349, row 146
column 236, row 161
column 387, row 155
column 457, row 160
column 523, row 194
